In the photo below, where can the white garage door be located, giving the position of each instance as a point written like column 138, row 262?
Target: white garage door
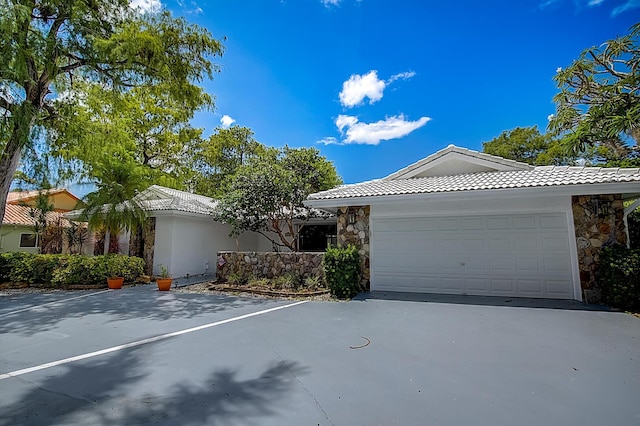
column 498, row 255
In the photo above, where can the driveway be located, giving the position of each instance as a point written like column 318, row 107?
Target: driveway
column 138, row 357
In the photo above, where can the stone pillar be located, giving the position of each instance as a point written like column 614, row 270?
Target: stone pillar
column 598, row 222
column 353, row 228
column 148, row 244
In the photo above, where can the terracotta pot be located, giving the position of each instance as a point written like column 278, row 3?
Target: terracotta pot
column 115, row 282
column 164, row 284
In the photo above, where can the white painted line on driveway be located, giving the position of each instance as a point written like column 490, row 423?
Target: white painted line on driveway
column 51, row 303
column 141, row 342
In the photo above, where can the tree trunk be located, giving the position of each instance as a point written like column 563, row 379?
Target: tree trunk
column 23, row 118
column 10, row 159
column 107, row 241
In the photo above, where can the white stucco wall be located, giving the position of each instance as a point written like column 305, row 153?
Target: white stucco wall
column 189, row 244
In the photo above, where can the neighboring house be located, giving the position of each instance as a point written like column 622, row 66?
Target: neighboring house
column 17, row 231
column 182, row 235
column 464, row 222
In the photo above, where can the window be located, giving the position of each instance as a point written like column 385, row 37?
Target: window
column 317, row 237
column 27, row 240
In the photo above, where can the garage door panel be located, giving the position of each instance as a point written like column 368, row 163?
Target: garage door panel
column 525, row 222
column 556, row 265
column 481, row 285
column 474, row 223
column 502, row 286
column 553, row 221
column 507, row 255
column 529, row 243
column 528, row 265
column 555, row 243
column 499, row 222
column 529, row 286
column 501, row 264
column 475, row 244
column 452, row 283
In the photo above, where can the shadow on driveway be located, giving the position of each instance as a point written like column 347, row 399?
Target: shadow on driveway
column 140, row 302
column 116, row 390
column 519, row 302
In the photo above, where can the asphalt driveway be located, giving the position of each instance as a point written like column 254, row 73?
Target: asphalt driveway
column 138, row 357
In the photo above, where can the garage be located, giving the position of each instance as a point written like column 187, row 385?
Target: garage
column 525, row 255
column 468, row 223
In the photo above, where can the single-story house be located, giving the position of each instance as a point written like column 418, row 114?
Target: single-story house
column 17, row 231
column 182, row 234
column 465, row 222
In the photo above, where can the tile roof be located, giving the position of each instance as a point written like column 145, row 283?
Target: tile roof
column 159, row 198
column 19, row 215
column 541, row 176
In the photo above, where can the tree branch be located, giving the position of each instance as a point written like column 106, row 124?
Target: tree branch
column 5, row 104
column 609, row 69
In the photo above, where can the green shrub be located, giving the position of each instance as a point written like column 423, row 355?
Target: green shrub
column 7, row 263
column 62, row 269
column 129, row 267
column 313, row 282
column 81, row 270
column 237, row 279
column 288, row 281
column 35, row 268
column 341, row 268
column 256, row 282
column 619, row 277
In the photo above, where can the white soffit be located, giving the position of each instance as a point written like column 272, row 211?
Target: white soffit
column 454, row 160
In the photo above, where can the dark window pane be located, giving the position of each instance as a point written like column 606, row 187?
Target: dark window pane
column 27, row 240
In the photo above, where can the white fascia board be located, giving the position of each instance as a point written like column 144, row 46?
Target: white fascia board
column 569, row 190
column 156, row 213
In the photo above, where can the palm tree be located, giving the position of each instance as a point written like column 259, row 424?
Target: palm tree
column 113, row 205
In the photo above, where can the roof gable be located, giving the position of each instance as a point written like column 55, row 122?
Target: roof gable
column 454, row 160
column 62, row 199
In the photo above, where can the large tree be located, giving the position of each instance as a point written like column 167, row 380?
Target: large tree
column 599, row 98
column 46, row 45
column 145, row 124
column 528, row 145
column 266, row 195
column 220, row 156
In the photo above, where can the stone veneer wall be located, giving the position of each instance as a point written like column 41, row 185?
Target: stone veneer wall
column 357, row 234
column 142, row 244
column 595, row 230
column 268, row 264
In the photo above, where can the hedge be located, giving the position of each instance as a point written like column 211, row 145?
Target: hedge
column 341, row 267
column 65, row 269
column 619, row 277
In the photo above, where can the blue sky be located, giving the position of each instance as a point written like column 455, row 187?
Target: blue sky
column 376, row 85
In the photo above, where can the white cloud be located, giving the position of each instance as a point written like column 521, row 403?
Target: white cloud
column 329, row 140
column 226, row 121
column 329, row 3
column 143, row 6
column 630, row 4
column 403, row 75
column 345, row 121
column 358, row 87
column 559, row 69
column 595, row 3
column 550, row 117
column 372, row 133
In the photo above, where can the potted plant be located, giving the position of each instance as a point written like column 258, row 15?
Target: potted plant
column 165, row 280
column 114, row 280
